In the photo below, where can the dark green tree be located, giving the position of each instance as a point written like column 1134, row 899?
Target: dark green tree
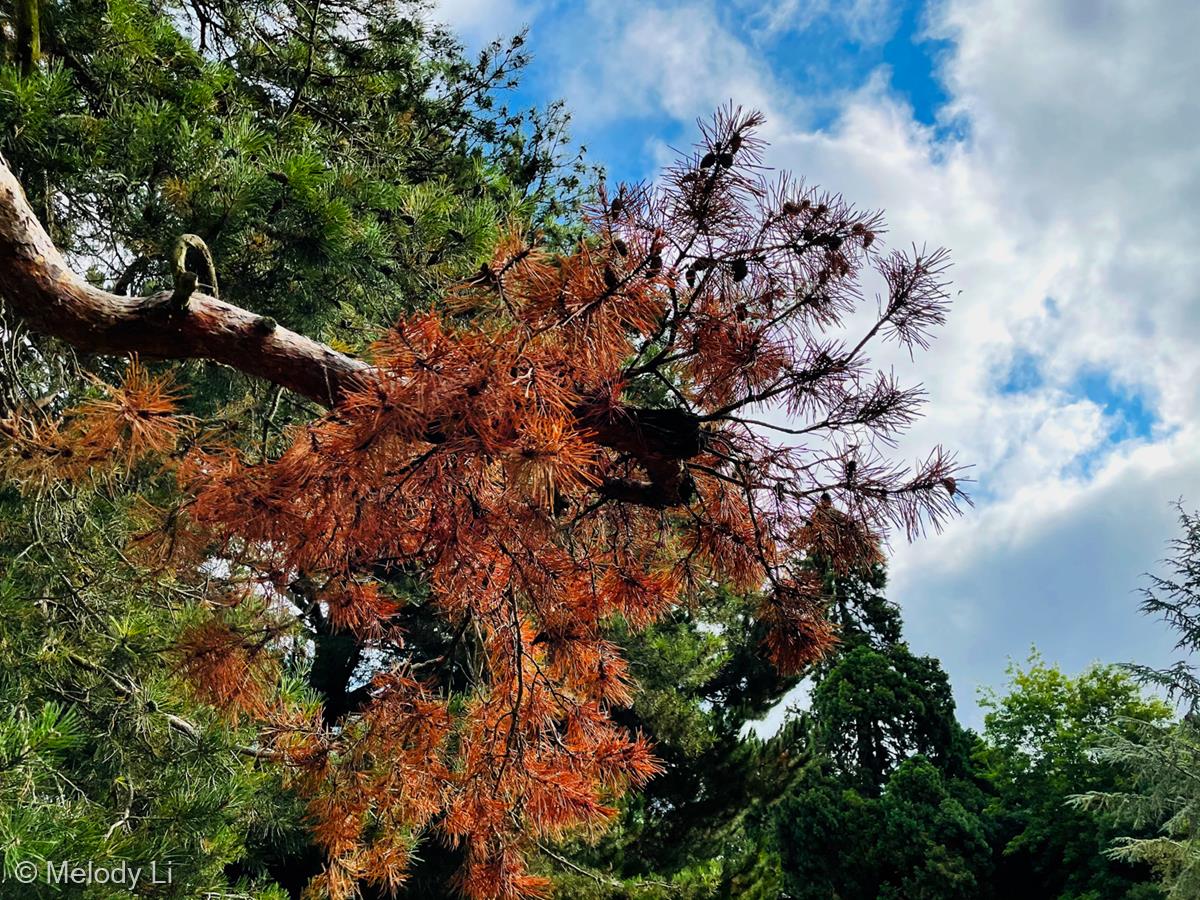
column 694, row 831
column 341, row 160
column 811, row 811
column 886, row 805
column 922, row 837
column 875, row 703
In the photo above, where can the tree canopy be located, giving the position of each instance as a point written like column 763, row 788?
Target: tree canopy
column 392, row 506
column 566, row 439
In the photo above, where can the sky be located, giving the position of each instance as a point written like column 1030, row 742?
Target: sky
column 1054, row 147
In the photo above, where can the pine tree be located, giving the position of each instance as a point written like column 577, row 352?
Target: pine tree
column 533, row 499
column 392, row 173
column 102, row 758
column 401, row 607
column 1156, row 805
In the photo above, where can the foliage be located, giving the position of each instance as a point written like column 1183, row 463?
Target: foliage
column 873, row 710
column 533, row 500
column 782, row 817
column 888, row 805
column 695, row 828
column 874, row 790
column 344, row 162
column 922, row 836
column 1158, row 801
column 101, row 757
column 342, row 166
column 1037, row 752
column 611, row 482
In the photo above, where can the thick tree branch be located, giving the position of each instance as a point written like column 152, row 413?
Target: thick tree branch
column 41, row 289
column 37, row 285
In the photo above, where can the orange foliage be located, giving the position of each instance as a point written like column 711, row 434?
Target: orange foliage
column 571, row 439
column 134, row 420
column 232, row 673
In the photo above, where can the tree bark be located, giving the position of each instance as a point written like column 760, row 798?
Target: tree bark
column 41, row 289
column 28, row 32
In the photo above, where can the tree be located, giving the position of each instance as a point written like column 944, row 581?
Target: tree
column 922, row 836
column 1158, row 801
column 1037, row 752
column 140, row 122
column 696, row 828
column 887, row 803
column 876, row 703
column 340, row 166
column 795, row 814
column 101, row 759
column 531, row 494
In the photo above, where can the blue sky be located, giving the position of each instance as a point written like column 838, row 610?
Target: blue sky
column 1054, row 147
column 834, row 55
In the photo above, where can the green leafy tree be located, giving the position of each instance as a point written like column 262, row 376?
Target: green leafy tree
column 1037, row 752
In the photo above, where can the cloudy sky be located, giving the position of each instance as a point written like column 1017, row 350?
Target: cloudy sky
column 1054, row 147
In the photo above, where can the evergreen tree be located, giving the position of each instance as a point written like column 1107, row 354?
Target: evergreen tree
column 811, row 811
column 1157, row 804
column 875, row 703
column 887, row 805
column 102, row 758
column 695, row 830
column 501, row 440
column 922, row 836
column 341, row 163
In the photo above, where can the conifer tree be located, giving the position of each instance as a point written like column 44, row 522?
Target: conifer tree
column 406, row 600
column 886, row 803
column 1155, row 804
column 141, row 122
column 735, row 815
column 534, row 498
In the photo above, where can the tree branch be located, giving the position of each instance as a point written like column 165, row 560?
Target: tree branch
column 29, row 35
column 37, row 285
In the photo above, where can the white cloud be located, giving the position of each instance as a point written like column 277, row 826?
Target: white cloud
column 673, row 60
column 1056, row 564
column 1070, row 207
column 864, row 21
column 478, row 22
